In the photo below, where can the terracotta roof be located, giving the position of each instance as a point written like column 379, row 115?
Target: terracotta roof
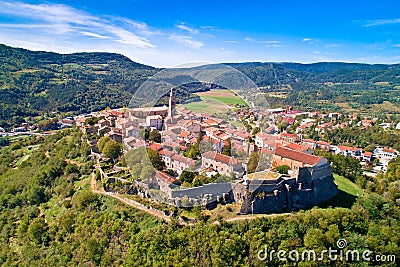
column 155, row 146
column 183, row 159
column 289, row 135
column 388, row 150
column 221, row 158
column 348, row 148
column 297, row 156
column 168, row 153
column 368, row 154
column 167, row 178
column 296, row 147
column 184, row 134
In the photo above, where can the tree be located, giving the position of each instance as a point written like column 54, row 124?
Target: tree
column 112, row 149
column 193, row 152
column 255, row 131
column 102, row 141
column 187, row 176
column 284, row 169
column 227, row 149
column 253, row 162
column 155, row 136
column 144, row 133
column 156, row 159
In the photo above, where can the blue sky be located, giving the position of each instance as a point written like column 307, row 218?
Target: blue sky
column 168, row 33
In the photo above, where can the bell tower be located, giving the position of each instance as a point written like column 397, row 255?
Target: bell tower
column 171, row 104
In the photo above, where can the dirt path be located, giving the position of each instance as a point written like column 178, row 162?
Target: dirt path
column 134, row 204
column 127, row 201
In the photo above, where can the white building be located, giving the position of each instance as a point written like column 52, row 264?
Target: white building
column 154, row 121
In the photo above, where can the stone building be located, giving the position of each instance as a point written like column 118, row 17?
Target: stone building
column 222, row 164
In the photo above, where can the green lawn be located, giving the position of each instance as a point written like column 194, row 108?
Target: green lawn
column 347, row 186
column 228, row 100
column 347, row 193
column 206, row 106
column 226, row 97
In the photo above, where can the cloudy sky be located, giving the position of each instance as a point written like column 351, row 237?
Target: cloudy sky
column 168, row 33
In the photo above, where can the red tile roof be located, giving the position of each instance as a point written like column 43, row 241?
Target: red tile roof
column 388, row 150
column 183, row 159
column 167, row 178
column 221, row 158
column 348, row 148
column 296, row 147
column 156, row 146
column 297, row 156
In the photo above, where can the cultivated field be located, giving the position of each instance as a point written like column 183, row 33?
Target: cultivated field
column 225, row 96
column 214, row 101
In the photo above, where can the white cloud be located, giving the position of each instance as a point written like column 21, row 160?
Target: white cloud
column 184, row 27
column 379, row 22
column 68, row 21
column 310, row 40
column 268, row 43
column 95, row 35
column 332, row 45
column 186, row 40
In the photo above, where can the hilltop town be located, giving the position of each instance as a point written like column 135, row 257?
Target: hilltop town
column 266, row 166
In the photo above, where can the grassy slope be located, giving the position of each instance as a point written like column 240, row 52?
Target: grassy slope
column 347, row 193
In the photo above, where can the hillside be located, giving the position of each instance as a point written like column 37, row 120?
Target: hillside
column 33, row 83
column 37, row 83
column 50, row 217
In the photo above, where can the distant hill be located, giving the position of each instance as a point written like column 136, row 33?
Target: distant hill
column 34, row 83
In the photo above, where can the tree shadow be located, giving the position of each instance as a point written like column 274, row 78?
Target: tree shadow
column 342, row 200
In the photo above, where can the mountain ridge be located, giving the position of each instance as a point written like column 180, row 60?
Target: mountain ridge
column 34, row 83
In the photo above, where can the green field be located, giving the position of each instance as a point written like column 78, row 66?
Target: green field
column 206, row 106
column 348, row 192
column 224, row 96
column 347, row 186
column 214, row 101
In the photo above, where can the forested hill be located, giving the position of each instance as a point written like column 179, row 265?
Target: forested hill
column 270, row 74
column 33, row 83
column 36, row 83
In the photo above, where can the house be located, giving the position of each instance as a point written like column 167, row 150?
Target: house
column 180, row 163
column 166, row 155
column 154, row 121
column 385, row 153
column 148, row 111
column 398, row 126
column 349, row 151
column 166, row 182
column 264, row 140
column 132, row 131
column 323, row 145
column 192, row 127
column 115, row 134
column 291, row 138
column 129, row 142
column 309, row 143
column 223, row 164
column 301, row 148
column 295, row 159
column 367, row 156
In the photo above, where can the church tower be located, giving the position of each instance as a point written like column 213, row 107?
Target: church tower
column 172, row 104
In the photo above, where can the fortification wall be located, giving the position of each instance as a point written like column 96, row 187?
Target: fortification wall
column 194, row 192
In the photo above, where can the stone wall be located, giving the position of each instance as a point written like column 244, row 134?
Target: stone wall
column 313, row 185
